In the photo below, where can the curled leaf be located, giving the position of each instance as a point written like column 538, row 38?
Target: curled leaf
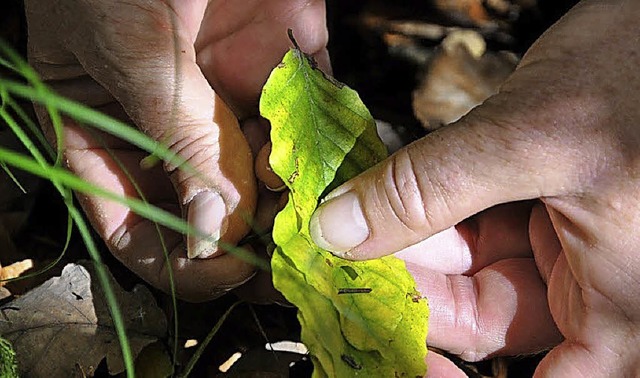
column 358, row 318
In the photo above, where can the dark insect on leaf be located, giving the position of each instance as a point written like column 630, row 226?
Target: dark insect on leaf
column 354, row 290
column 351, row 362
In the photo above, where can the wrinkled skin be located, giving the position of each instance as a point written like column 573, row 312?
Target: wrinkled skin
column 537, row 193
column 165, row 66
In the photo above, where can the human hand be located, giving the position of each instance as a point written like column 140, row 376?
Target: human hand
column 165, row 66
column 541, row 183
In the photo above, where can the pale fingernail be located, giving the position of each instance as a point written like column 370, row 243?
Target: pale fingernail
column 339, row 225
column 206, row 213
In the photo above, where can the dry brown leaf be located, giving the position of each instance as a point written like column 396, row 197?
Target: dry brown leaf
column 14, row 270
column 459, row 78
column 4, row 293
column 64, row 327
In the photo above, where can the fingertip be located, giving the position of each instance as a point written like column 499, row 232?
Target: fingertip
column 265, row 173
column 439, row 366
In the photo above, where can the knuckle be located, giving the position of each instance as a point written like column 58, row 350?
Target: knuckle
column 404, row 192
column 193, row 145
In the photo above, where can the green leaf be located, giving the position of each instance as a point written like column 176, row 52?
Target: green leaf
column 358, row 318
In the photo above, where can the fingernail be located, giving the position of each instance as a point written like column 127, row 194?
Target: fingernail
column 339, row 225
column 206, row 213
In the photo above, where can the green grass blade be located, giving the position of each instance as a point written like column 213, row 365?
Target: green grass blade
column 52, row 263
column 6, row 64
column 16, row 63
column 31, row 126
column 24, row 69
column 74, row 213
column 3, row 105
column 153, row 213
column 103, row 278
column 203, row 345
column 100, row 121
column 12, row 177
column 26, row 141
column 165, row 252
column 20, row 133
column 71, row 181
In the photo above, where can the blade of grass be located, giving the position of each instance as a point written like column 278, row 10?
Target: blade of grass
column 12, row 177
column 126, row 132
column 65, row 193
column 26, row 71
column 71, row 181
column 13, row 125
column 80, row 223
column 165, row 251
column 33, row 78
column 146, row 210
column 57, row 174
column 3, row 106
column 203, row 345
column 26, row 141
column 16, row 129
column 6, row 64
column 16, row 63
column 103, row 278
column 96, row 119
column 31, row 126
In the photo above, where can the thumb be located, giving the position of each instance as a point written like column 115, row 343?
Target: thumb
column 485, row 159
column 553, row 130
column 149, row 66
